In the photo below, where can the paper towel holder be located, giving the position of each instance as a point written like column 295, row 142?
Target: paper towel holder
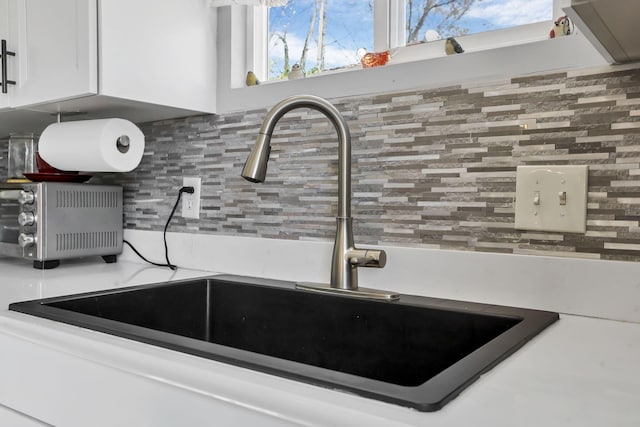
column 98, row 145
column 123, row 143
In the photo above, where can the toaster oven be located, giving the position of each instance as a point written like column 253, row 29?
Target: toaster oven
column 50, row 221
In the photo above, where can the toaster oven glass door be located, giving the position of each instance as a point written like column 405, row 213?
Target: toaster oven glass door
column 9, row 227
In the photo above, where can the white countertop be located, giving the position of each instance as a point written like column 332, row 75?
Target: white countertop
column 579, row 372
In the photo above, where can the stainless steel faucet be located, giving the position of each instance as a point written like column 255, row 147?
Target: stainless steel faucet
column 346, row 257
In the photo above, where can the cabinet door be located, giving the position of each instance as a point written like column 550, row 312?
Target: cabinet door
column 160, row 52
column 57, row 49
column 4, row 34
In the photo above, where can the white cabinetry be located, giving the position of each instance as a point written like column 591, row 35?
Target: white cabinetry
column 55, row 45
column 162, row 52
column 4, row 34
column 142, row 60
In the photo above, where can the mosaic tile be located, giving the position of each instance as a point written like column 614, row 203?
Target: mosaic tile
column 431, row 168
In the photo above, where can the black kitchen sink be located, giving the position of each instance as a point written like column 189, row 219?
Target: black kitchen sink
column 417, row 352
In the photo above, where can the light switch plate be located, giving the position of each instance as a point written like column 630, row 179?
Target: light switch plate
column 551, row 198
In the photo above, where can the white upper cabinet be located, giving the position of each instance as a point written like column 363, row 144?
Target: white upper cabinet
column 4, row 34
column 56, row 45
column 161, row 52
column 141, row 60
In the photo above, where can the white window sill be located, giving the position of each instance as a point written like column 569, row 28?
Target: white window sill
column 503, row 63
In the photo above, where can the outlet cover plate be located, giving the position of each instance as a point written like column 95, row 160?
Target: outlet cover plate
column 191, row 202
column 540, row 191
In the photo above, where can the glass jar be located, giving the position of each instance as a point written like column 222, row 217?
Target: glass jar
column 22, row 155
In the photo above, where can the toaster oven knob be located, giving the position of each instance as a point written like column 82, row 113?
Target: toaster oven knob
column 26, row 218
column 26, row 197
column 25, row 240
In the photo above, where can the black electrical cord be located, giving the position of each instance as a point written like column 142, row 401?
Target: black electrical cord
column 189, row 190
column 142, row 256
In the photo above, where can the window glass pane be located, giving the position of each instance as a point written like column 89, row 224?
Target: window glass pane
column 429, row 20
column 331, row 30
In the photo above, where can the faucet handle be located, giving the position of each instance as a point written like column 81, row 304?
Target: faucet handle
column 367, row 257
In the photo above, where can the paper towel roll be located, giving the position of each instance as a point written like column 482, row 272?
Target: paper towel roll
column 104, row 145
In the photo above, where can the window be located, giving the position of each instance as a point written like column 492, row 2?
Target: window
column 430, row 20
column 318, row 35
column 325, row 35
column 489, row 56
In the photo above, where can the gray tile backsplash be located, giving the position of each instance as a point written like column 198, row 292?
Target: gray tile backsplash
column 431, row 168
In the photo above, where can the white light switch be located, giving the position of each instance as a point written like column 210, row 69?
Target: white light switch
column 552, row 198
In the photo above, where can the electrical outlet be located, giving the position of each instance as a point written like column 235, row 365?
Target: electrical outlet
column 191, row 202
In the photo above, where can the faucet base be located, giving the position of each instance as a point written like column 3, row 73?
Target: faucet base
column 354, row 293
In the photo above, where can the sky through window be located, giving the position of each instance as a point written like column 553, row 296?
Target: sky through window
column 349, row 25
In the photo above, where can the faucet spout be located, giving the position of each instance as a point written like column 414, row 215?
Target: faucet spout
column 346, row 258
column 255, row 167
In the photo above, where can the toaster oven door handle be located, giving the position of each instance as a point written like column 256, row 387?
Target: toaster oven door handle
column 10, row 194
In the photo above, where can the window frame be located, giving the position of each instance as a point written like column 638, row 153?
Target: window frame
column 238, row 42
column 389, row 21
